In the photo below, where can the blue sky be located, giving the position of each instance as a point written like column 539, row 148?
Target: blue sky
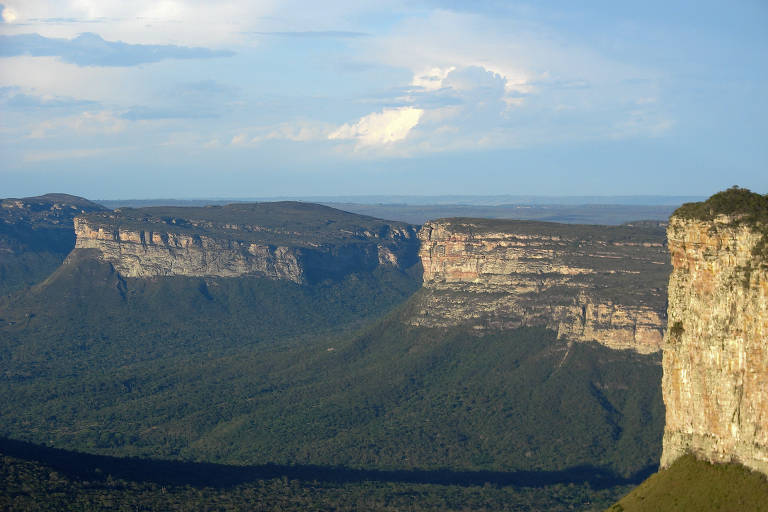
column 185, row 98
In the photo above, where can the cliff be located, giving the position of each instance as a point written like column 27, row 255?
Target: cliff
column 715, row 362
column 298, row 242
column 588, row 283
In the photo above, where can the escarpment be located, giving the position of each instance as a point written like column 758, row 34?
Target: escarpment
column 715, row 383
column 299, row 242
column 588, row 283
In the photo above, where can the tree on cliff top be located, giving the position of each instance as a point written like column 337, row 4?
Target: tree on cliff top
column 750, row 206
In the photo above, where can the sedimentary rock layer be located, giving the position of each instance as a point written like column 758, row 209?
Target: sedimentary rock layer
column 589, row 283
column 715, row 383
column 309, row 244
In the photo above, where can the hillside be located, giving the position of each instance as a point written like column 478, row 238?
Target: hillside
column 690, row 484
column 256, row 371
column 36, row 234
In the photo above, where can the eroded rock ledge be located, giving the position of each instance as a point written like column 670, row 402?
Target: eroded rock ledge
column 298, row 242
column 589, row 283
column 715, row 383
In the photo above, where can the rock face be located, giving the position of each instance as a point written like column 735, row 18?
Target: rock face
column 285, row 241
column 715, row 383
column 589, row 283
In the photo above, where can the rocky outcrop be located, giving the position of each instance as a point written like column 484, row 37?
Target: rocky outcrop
column 715, row 383
column 41, row 223
column 36, row 235
column 230, row 243
column 589, row 283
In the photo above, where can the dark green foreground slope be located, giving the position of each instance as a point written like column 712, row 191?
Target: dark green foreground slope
column 697, row 486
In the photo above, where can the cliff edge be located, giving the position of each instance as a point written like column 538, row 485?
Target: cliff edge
column 715, row 354
column 299, row 242
column 587, row 283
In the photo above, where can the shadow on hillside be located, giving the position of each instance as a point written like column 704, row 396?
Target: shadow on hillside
column 200, row 474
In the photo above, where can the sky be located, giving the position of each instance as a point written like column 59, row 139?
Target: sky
column 109, row 99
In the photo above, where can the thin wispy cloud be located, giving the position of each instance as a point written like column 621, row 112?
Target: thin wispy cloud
column 315, row 34
column 22, row 101
column 90, row 49
column 146, row 113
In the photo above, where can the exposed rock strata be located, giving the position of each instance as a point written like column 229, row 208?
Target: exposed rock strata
column 589, row 283
column 715, row 383
column 142, row 243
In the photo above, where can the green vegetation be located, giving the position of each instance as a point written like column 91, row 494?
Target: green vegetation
column 323, row 394
column 748, row 207
column 676, row 331
column 254, row 371
column 39, row 478
column 584, row 232
column 751, row 207
column 693, row 485
column 36, row 234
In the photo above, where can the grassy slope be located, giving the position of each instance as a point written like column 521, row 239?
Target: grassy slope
column 693, row 485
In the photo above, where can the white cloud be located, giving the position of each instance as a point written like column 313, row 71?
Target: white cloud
column 185, row 22
column 296, row 131
column 67, row 154
column 379, row 128
column 87, row 123
column 48, row 76
column 238, row 140
column 9, row 15
column 431, row 79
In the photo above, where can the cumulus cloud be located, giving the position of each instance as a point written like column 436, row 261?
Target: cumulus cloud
column 380, row 128
column 90, row 49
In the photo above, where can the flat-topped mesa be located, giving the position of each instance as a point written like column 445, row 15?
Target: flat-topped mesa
column 300, row 242
column 715, row 383
column 589, row 283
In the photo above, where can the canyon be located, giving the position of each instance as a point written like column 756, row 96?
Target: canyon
column 588, row 283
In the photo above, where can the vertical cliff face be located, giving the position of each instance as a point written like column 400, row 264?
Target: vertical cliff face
column 297, row 242
column 715, row 383
column 588, row 283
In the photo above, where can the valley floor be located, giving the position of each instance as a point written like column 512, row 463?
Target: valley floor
column 35, row 477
